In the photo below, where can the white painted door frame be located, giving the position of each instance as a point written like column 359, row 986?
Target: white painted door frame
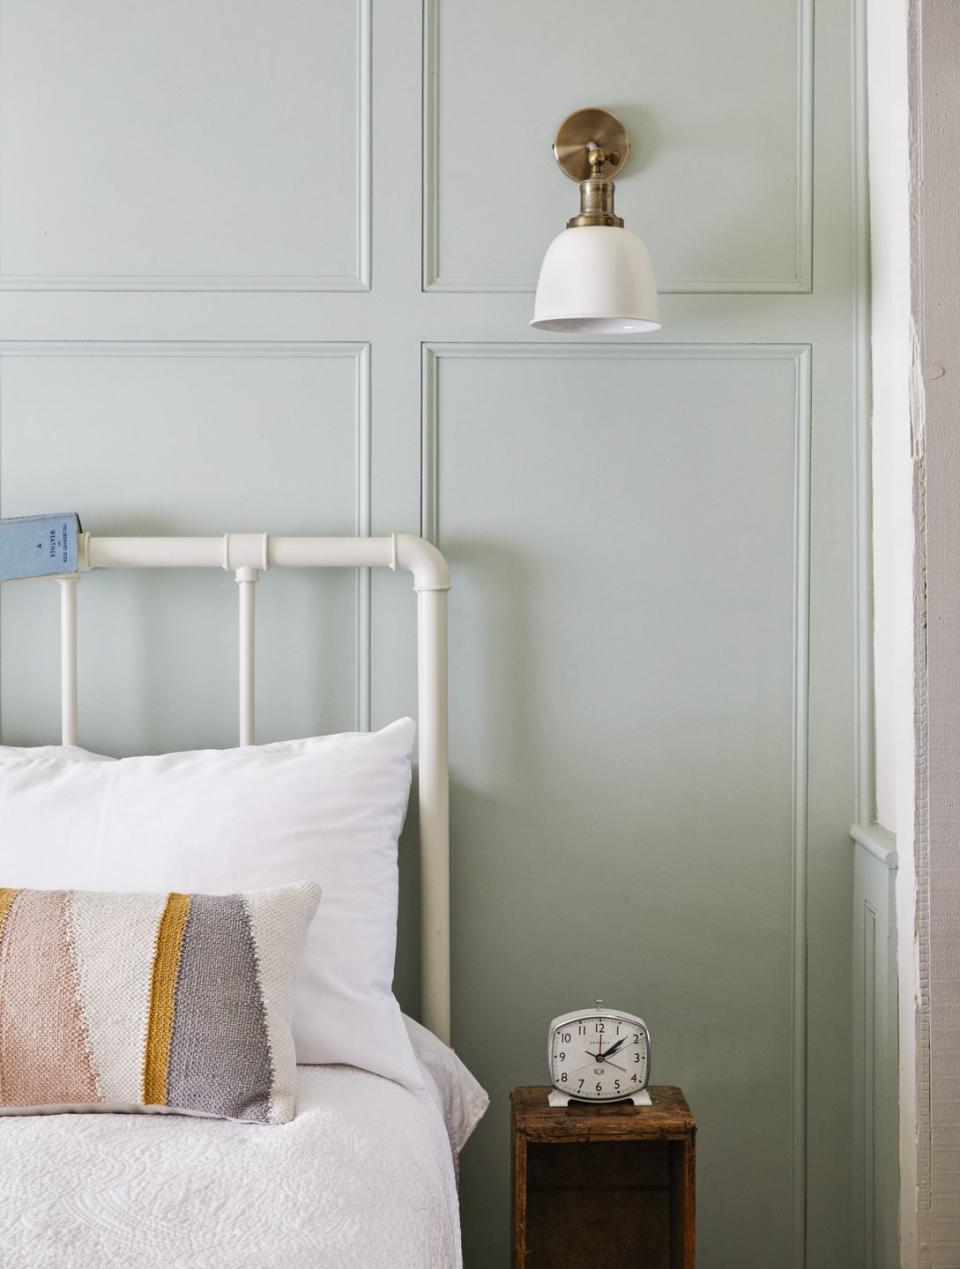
column 930, row 1132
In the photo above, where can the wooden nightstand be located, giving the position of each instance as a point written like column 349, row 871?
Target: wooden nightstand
column 591, row 1182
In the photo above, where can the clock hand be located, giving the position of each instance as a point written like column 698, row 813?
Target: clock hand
column 613, row 1048
column 601, row 1055
column 615, row 1065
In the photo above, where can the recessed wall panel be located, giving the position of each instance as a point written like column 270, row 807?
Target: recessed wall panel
column 185, row 145
column 182, row 441
column 629, row 582
column 717, row 100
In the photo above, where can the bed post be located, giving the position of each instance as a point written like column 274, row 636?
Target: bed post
column 434, row 811
column 431, row 581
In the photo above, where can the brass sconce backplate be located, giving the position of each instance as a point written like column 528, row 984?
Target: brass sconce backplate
column 584, row 133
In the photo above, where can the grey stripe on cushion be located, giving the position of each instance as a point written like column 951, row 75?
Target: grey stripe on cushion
column 219, row 1035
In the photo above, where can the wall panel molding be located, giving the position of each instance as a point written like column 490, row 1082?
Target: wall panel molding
column 800, row 357
column 800, row 281
column 359, row 279
column 864, row 735
column 358, row 353
column 875, row 1049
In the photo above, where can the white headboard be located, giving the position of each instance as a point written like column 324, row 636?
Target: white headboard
column 246, row 555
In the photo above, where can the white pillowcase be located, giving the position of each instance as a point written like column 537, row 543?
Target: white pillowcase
column 223, row 820
column 461, row 1099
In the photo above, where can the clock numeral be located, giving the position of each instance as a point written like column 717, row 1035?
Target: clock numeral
column 636, row 1057
column 600, row 1028
column 636, row 1036
column 562, row 1056
column 581, row 1029
column 599, row 1087
column 579, row 1086
column 616, row 1085
column 634, row 1078
column 563, row 1078
column 566, row 1037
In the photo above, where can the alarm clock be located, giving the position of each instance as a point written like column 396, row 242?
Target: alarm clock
column 598, row 1055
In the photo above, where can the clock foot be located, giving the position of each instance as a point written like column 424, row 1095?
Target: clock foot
column 555, row 1098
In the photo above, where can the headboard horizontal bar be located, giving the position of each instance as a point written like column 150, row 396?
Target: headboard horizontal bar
column 246, row 550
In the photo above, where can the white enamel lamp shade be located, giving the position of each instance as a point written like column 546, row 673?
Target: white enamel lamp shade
column 596, row 279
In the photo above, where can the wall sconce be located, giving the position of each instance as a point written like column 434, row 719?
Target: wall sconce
column 596, row 277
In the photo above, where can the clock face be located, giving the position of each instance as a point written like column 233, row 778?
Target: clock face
column 599, row 1056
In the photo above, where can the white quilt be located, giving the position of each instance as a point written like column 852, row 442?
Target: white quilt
column 362, row 1178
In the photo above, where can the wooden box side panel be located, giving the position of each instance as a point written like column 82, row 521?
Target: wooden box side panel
column 518, row 1170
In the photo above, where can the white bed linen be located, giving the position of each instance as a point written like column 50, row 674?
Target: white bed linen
column 361, row 1178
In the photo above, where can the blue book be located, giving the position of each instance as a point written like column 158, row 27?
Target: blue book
column 38, row 546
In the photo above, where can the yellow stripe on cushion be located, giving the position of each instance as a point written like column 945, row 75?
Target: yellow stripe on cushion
column 6, row 903
column 166, row 966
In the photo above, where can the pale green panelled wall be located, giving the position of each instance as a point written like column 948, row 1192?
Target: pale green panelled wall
column 300, row 304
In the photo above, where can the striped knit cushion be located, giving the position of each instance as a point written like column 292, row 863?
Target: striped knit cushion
column 151, row 1001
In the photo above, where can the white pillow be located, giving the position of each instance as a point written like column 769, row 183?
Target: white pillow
column 224, row 820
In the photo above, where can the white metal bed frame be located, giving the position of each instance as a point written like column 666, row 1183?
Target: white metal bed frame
column 247, row 555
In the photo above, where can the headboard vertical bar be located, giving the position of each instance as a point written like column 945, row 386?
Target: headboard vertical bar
column 247, row 579
column 434, row 810
column 68, row 659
